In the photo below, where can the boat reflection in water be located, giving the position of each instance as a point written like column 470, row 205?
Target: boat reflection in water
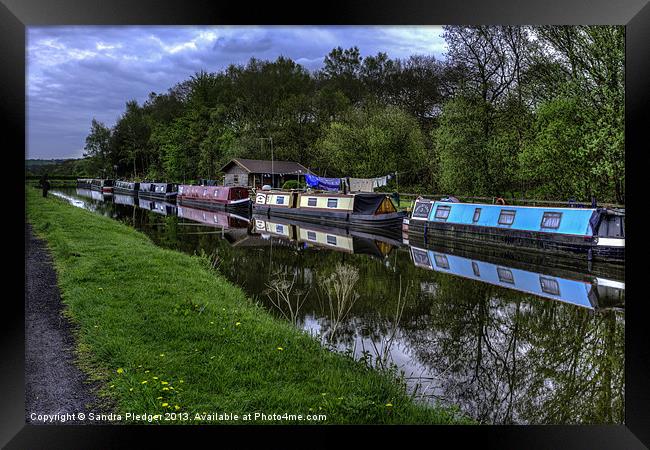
column 160, row 207
column 221, row 219
column 580, row 290
column 124, row 199
column 321, row 236
column 95, row 195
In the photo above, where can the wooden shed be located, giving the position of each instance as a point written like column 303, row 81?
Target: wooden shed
column 257, row 172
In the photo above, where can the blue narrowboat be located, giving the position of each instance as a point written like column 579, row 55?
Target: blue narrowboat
column 158, row 191
column 588, row 293
column 126, row 187
column 597, row 233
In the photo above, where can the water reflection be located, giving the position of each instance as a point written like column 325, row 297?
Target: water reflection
column 506, row 338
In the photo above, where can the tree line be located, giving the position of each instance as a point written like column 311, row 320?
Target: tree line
column 512, row 111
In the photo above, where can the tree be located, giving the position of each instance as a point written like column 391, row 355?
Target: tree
column 97, row 147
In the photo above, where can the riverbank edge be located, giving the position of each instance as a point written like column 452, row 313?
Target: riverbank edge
column 162, row 333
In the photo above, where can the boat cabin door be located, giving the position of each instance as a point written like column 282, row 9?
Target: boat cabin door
column 293, row 200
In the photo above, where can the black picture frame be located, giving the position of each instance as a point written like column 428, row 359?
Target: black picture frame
column 15, row 15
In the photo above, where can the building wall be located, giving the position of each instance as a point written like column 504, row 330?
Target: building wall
column 236, row 176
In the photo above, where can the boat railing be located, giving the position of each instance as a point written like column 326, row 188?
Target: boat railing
column 410, row 199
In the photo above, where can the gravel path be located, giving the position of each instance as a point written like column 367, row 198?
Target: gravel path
column 53, row 384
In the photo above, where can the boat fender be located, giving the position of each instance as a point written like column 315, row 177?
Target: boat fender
column 500, row 201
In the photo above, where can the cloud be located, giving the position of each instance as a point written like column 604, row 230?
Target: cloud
column 77, row 73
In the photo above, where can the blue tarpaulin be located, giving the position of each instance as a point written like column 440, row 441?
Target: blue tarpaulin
column 325, row 184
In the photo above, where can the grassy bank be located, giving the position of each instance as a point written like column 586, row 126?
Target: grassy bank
column 163, row 333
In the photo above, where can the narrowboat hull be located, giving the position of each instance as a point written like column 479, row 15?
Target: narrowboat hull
column 241, row 205
column 165, row 196
column 105, row 189
column 119, row 190
column 388, row 222
column 566, row 245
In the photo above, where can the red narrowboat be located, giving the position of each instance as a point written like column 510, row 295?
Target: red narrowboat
column 220, row 197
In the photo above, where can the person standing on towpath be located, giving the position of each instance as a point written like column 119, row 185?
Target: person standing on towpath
column 45, row 184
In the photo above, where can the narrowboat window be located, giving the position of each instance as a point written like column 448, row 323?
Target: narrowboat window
column 551, row 220
column 441, row 261
column 205, row 192
column 477, row 215
column 332, row 202
column 311, row 235
column 442, row 212
column 216, row 192
column 549, row 285
column 475, row 268
column 422, row 210
column 505, row 275
column 331, row 239
column 279, row 200
column 279, row 229
column 311, row 201
column 506, row 217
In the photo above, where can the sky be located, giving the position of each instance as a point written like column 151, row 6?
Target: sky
column 77, row 73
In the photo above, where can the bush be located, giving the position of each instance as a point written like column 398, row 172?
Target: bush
column 293, row 184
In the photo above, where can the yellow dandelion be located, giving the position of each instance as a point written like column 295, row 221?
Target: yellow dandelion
column 211, row 323
column 112, row 385
column 238, row 323
column 162, row 354
column 164, row 382
column 158, row 398
column 165, row 389
column 120, row 370
column 147, row 371
column 144, row 382
column 181, row 381
column 165, row 404
column 389, row 404
column 280, row 348
column 155, row 378
column 131, row 389
column 176, row 407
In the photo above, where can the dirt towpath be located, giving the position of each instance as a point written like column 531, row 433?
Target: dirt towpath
column 53, row 383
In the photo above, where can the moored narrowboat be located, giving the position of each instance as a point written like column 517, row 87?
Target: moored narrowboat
column 361, row 211
column 594, row 233
column 126, row 187
column 214, row 197
column 101, row 184
column 84, row 183
column 158, row 191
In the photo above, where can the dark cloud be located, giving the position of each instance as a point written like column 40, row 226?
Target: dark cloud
column 78, row 73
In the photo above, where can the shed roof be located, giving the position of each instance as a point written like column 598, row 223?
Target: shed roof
column 264, row 166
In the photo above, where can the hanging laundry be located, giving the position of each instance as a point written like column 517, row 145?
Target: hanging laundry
column 361, row 184
column 325, row 184
column 379, row 182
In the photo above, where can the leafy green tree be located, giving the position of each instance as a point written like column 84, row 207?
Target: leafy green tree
column 97, row 148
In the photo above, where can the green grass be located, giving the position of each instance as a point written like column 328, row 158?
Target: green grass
column 156, row 326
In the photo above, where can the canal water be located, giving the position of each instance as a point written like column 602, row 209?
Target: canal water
column 508, row 338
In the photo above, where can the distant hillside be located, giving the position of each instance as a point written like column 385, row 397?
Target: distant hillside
column 56, row 167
